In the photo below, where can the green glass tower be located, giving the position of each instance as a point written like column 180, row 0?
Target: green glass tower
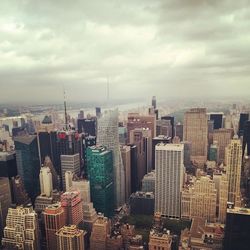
column 100, row 174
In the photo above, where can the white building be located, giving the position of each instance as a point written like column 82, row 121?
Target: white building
column 46, row 184
column 169, row 169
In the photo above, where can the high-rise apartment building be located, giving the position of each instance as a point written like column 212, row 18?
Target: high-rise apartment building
column 107, row 135
column 54, row 219
column 70, row 238
column 126, row 159
column 199, row 200
column 21, row 231
column 196, row 131
column 28, row 164
column 222, row 137
column 69, row 163
column 233, row 169
column 72, row 205
column 100, row 174
column 100, row 230
column 169, row 171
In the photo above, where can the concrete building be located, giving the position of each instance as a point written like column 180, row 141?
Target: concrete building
column 126, row 159
column 199, row 200
column 107, row 135
column 100, row 230
column 69, row 163
column 222, row 137
column 21, row 231
column 148, row 182
column 196, row 131
column 70, row 238
column 54, row 219
column 169, row 179
column 233, row 169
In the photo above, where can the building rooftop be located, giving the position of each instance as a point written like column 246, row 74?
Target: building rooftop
column 239, row 210
column 26, row 139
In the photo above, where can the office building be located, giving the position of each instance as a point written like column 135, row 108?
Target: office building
column 100, row 175
column 72, row 205
column 134, row 168
column 126, row 159
column 199, row 200
column 54, row 219
column 107, row 135
column 98, row 112
column 123, row 134
column 196, row 131
column 8, row 166
column 148, row 182
column 100, row 230
column 222, row 137
column 70, row 238
column 246, row 139
column 135, row 120
column 46, row 185
column 213, row 153
column 5, row 202
column 233, row 169
column 169, row 171
column 142, row 203
column 171, row 119
column 217, row 118
column 21, row 231
column 154, row 102
column 164, row 127
column 70, row 163
column 187, row 153
column 28, row 164
column 244, row 117
column 179, row 130
column 156, row 140
column 141, row 137
column 237, row 229
column 87, row 126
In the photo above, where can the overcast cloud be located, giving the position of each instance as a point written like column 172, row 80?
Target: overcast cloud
column 145, row 47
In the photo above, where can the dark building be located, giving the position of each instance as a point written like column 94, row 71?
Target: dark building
column 171, row 119
column 28, row 164
column 179, row 131
column 217, row 118
column 237, row 230
column 246, row 138
column 18, row 131
column 142, row 203
column 155, row 141
column 87, row 141
column 134, row 168
column 98, row 112
column 87, row 126
column 8, row 167
column 154, row 102
column 244, row 117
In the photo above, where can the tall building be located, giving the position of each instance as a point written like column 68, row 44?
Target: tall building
column 179, row 130
column 54, row 219
column 237, row 229
column 5, row 202
column 100, row 175
column 46, row 184
column 8, row 166
column 70, row 238
column 154, row 102
column 199, row 200
column 217, row 118
column 169, row 171
column 21, row 231
column 72, row 205
column 244, row 117
column 223, row 196
column 233, row 166
column 148, row 182
column 135, row 120
column 171, row 119
column 28, row 164
column 107, row 135
column 222, row 137
column 70, row 163
column 87, row 126
column 134, row 168
column 126, row 159
column 246, row 138
column 141, row 137
column 196, row 131
column 100, row 230
column 164, row 127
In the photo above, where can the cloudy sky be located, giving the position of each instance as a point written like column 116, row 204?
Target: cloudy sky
column 165, row 48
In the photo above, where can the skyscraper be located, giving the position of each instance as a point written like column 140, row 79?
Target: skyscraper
column 107, row 135
column 233, row 165
column 8, row 166
column 171, row 119
column 46, row 184
column 126, row 159
column 196, row 132
column 87, row 126
column 21, row 231
column 246, row 138
column 154, row 102
column 100, row 174
column 70, row 238
column 217, row 118
column 28, row 164
column 244, row 117
column 54, row 219
column 169, row 171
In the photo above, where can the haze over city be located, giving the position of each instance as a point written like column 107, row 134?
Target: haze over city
column 166, row 48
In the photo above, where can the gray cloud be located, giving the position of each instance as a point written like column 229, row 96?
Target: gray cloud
column 178, row 48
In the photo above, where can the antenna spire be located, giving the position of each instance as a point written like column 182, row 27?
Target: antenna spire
column 65, row 108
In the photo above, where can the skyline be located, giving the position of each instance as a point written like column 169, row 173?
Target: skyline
column 143, row 48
